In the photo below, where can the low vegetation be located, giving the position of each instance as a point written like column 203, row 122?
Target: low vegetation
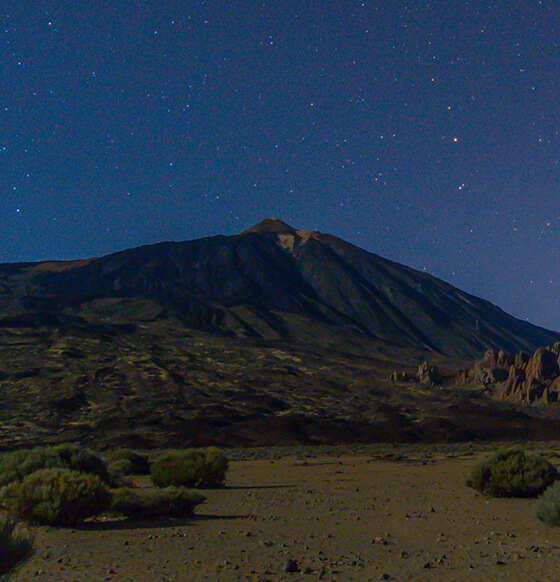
column 194, row 468
column 66, row 484
column 16, row 465
column 124, row 462
column 56, row 497
column 14, row 550
column 548, row 507
column 150, row 504
column 512, row 473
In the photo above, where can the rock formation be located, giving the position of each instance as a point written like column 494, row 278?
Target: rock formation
column 521, row 378
column 427, row 374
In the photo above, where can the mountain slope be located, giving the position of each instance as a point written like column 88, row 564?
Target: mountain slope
column 272, row 282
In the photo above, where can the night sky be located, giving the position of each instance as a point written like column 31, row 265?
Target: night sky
column 425, row 132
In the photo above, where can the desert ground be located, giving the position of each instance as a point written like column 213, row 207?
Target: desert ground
column 376, row 512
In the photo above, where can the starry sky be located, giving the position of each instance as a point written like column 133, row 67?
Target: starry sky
column 425, row 132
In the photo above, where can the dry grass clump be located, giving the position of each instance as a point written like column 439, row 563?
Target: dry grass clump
column 56, row 497
column 154, row 503
column 512, row 473
column 16, row 465
column 194, row 468
column 14, row 550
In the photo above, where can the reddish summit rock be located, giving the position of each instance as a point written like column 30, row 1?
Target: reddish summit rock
column 271, row 225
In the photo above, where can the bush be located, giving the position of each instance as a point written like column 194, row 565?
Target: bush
column 150, row 503
column 512, row 473
column 127, row 462
column 195, row 468
column 216, row 468
column 13, row 549
column 548, row 508
column 16, row 465
column 56, row 497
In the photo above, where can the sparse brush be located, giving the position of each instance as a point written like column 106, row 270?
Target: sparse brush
column 16, row 465
column 14, row 550
column 548, row 507
column 56, row 497
column 124, row 462
column 512, row 473
column 154, row 503
column 194, row 468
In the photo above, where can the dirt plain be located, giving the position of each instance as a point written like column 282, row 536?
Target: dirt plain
column 361, row 513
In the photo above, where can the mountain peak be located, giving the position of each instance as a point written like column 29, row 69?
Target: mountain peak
column 271, row 225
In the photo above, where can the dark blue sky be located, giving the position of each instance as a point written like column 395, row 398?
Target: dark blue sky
column 426, row 132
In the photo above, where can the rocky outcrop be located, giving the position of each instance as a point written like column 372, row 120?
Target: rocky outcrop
column 427, row 374
column 491, row 368
column 513, row 387
column 521, row 378
column 543, row 366
column 398, row 376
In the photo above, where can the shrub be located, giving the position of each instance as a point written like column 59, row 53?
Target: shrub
column 81, row 459
column 127, row 462
column 512, row 473
column 16, row 465
column 195, row 468
column 152, row 503
column 216, row 468
column 13, row 549
column 548, row 508
column 56, row 497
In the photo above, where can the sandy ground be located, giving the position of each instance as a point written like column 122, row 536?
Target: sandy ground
column 346, row 517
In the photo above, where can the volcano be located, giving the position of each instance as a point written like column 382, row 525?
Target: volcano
column 275, row 283
column 272, row 336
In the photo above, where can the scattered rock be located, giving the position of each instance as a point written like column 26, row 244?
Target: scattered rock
column 403, row 377
column 427, row 374
column 290, row 566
